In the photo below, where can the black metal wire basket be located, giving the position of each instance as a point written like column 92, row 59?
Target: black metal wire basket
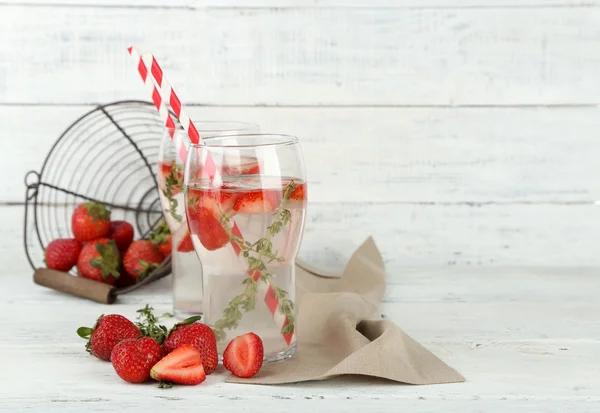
column 109, row 155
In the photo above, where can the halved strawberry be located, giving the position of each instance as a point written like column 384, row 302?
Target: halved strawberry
column 207, row 227
column 244, row 355
column 186, row 244
column 181, row 366
column 257, row 202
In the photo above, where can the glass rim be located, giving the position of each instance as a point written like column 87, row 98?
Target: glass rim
column 276, row 139
column 230, row 126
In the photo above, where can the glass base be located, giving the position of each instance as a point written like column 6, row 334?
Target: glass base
column 281, row 356
column 274, row 357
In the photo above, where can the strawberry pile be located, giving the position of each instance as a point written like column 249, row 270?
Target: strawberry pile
column 185, row 354
column 105, row 250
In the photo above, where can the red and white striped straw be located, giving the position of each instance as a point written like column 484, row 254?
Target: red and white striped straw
column 180, row 145
column 147, row 63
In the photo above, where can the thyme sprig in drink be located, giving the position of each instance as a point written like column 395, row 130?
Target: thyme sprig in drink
column 186, row 268
column 247, row 232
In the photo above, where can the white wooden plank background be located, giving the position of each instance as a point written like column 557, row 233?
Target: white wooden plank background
column 467, row 129
column 306, row 56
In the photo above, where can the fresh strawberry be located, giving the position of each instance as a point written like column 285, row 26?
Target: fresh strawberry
column 141, row 258
column 182, row 366
column 186, row 244
column 165, row 247
column 257, row 202
column 106, row 333
column 133, row 358
column 90, row 221
column 198, row 335
column 173, row 176
column 61, row 254
column 122, row 233
column 99, row 260
column 243, row 356
column 207, row 227
column 161, row 238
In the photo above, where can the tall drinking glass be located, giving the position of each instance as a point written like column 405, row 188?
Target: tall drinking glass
column 247, row 231
column 186, row 268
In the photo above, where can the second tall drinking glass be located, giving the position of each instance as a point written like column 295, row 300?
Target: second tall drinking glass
column 186, row 268
column 246, row 229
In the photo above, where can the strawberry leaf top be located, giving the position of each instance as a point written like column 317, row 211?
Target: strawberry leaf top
column 189, row 320
column 86, row 333
column 108, row 261
column 97, row 211
column 160, row 234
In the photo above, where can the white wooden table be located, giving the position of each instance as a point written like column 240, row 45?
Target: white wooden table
column 526, row 339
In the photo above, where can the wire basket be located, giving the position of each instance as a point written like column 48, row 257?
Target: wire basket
column 108, row 155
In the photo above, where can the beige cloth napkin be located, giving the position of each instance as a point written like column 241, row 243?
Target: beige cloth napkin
column 337, row 337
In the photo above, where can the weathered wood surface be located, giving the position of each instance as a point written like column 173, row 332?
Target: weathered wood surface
column 526, row 339
column 306, row 55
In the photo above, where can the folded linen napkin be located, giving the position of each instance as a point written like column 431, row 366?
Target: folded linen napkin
column 337, row 334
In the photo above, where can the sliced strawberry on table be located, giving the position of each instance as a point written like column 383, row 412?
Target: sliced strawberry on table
column 133, row 358
column 257, row 202
column 186, row 244
column 99, row 261
column 108, row 331
column 199, row 335
column 182, row 366
column 204, row 224
column 90, row 220
column 61, row 254
column 122, row 233
column 141, row 258
column 243, row 356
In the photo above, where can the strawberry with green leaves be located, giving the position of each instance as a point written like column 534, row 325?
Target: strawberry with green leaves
column 90, row 220
column 141, row 258
column 108, row 331
column 99, row 261
column 161, row 238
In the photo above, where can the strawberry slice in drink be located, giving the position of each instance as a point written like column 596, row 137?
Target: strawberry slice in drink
column 257, row 202
column 186, row 244
column 207, row 227
column 219, row 201
column 297, row 198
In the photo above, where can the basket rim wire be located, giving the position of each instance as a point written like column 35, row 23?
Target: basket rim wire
column 35, row 181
